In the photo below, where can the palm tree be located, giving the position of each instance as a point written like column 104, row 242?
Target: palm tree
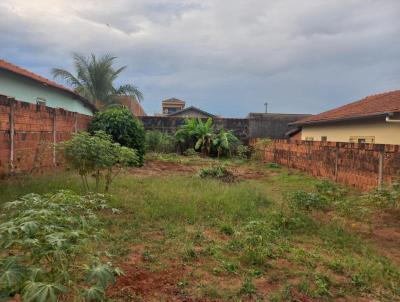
column 94, row 79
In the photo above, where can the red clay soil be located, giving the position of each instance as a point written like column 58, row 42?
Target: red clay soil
column 163, row 168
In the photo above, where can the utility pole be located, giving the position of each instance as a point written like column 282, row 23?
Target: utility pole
column 266, row 107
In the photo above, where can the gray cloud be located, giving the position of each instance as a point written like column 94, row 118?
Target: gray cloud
column 227, row 57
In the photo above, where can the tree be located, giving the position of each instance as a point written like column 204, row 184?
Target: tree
column 99, row 155
column 95, row 78
column 124, row 128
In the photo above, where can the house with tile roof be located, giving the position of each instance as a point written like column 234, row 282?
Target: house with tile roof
column 374, row 119
column 29, row 87
column 174, row 107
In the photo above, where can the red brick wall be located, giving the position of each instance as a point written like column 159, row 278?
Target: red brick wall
column 363, row 166
column 36, row 128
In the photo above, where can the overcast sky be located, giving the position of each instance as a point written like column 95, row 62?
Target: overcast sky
column 227, row 57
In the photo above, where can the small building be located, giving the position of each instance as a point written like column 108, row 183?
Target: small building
column 172, row 105
column 192, row 112
column 176, row 107
column 29, row 87
column 374, row 119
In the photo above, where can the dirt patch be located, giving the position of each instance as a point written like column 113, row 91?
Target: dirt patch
column 164, row 168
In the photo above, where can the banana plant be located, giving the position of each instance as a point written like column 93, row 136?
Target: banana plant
column 223, row 141
column 204, row 133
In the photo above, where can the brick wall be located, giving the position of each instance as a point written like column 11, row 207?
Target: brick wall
column 364, row 166
column 28, row 133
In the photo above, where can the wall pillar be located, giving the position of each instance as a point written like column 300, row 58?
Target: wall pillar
column 54, row 136
column 12, row 133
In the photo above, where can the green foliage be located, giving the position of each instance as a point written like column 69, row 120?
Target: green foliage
column 218, row 172
column 242, row 152
column 95, row 79
column 157, row 141
column 202, row 136
column 330, row 191
column 273, row 166
column 307, row 200
column 222, row 142
column 259, row 148
column 190, row 152
column 248, row 287
column 99, row 155
column 387, row 197
column 44, row 236
column 124, row 128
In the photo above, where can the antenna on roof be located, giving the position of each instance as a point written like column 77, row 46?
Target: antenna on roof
column 266, row 107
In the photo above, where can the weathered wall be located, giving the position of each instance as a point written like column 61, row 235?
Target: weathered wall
column 240, row 127
column 364, row 166
column 257, row 125
column 271, row 125
column 28, row 134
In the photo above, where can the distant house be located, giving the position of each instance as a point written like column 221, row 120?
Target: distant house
column 374, row 119
column 176, row 107
column 26, row 86
column 172, row 105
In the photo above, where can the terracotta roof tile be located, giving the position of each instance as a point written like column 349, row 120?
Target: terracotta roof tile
column 373, row 105
column 25, row 73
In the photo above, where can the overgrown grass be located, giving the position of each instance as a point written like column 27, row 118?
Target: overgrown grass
column 247, row 238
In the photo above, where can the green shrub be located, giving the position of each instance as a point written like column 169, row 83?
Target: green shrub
column 273, row 165
column 330, row 190
column 47, row 248
column 190, row 152
column 157, row 141
column 99, row 155
column 242, row 152
column 307, row 201
column 124, row 128
column 387, row 197
column 218, row 172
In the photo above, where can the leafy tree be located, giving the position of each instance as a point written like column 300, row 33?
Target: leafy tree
column 124, row 128
column 97, row 154
column 45, row 242
column 95, row 78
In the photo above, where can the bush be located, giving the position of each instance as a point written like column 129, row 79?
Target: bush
column 99, row 155
column 331, row 191
column 218, row 172
column 307, row 201
column 190, row 152
column 157, row 141
column 124, row 128
column 242, row 152
column 48, row 244
column 387, row 197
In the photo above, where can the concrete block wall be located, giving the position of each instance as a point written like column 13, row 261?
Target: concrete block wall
column 29, row 132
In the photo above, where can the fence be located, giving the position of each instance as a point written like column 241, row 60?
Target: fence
column 29, row 133
column 364, row 166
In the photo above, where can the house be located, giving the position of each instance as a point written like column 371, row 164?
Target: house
column 172, row 105
column 29, row 87
column 132, row 104
column 176, row 108
column 192, row 112
column 374, row 119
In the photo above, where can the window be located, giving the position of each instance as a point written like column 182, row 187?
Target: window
column 309, row 138
column 324, row 138
column 362, row 139
column 41, row 101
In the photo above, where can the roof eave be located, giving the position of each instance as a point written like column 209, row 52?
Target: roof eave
column 351, row 118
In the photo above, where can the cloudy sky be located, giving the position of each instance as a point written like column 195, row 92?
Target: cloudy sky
column 227, row 57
